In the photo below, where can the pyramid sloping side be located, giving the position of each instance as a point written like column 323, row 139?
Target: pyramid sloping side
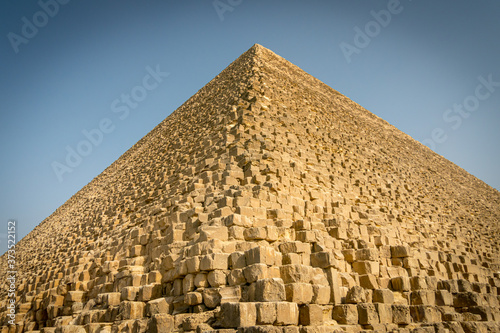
column 268, row 198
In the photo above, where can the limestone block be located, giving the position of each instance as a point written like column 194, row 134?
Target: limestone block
column 355, row 295
column 129, row 293
column 111, row 299
column 193, row 298
column 255, row 233
column 132, row 310
column 323, row 260
column 201, row 281
column 443, row 298
column 213, row 232
column 465, row 299
column 292, row 259
column 211, row 297
column 367, row 314
column 187, row 284
column 321, row 294
column 400, row 251
column 366, row 267
column 287, row 313
column 161, row 323
column 335, row 282
column 384, row 312
column 266, row 313
column 214, row 261
column 295, row 247
column 452, row 316
column 370, row 254
column 236, row 232
column 263, row 255
column 310, row 314
column 464, row 285
column 237, row 260
column 425, row 313
column 270, row 290
column 346, row 314
column 193, row 264
column 217, row 278
column 156, row 306
column 401, row 283
column 255, row 272
column 300, row 293
column 385, row 296
column 237, row 220
column 296, row 273
column 236, row 277
column 75, row 296
column 56, row 300
column 338, row 233
column 234, row 315
column 422, row 297
column 368, row 281
column 230, row 294
column 148, row 292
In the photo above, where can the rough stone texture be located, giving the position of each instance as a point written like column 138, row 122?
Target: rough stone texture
column 266, row 201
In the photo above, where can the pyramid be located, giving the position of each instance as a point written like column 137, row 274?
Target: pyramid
column 267, row 202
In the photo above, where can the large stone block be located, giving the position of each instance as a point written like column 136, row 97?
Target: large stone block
column 346, row 314
column 384, row 313
column 270, row 290
column 255, row 272
column 162, row 323
column 266, row 313
column 156, row 306
column 465, row 299
column 367, row 314
column 401, row 283
column 321, row 294
column 214, row 261
column 296, row 273
column 323, row 259
column 356, row 295
column 310, row 314
column 401, row 314
column 371, row 254
column 400, row 251
column 263, row 255
column 132, row 310
column 287, row 313
column 385, row 296
column 366, row 267
column 425, row 314
column 300, row 293
column 211, row 297
column 234, row 315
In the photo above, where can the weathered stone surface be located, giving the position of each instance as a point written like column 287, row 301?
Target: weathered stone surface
column 346, row 314
column 270, row 290
column 234, row 315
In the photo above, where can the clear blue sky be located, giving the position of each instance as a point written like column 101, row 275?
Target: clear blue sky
column 414, row 68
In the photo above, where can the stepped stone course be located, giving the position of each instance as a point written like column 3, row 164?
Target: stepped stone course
column 267, row 202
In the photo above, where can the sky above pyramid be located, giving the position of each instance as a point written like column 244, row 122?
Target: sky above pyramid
column 107, row 73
